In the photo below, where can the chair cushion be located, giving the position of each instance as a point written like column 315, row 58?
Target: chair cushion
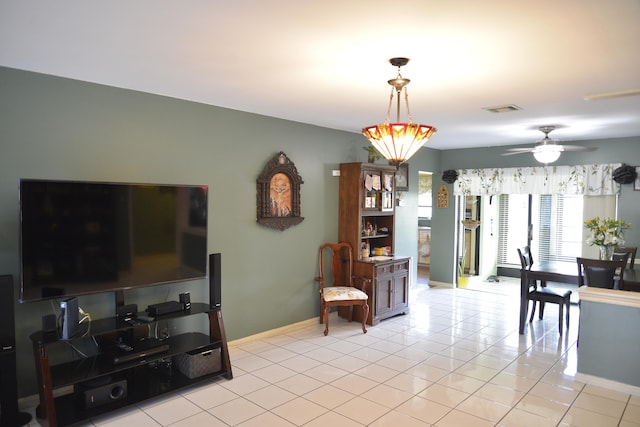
column 343, row 293
column 550, row 293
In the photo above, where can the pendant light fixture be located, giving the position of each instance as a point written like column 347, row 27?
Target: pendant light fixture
column 398, row 141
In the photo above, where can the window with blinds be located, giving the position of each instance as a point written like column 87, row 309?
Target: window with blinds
column 556, row 227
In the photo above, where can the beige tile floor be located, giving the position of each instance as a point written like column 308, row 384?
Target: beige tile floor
column 455, row 360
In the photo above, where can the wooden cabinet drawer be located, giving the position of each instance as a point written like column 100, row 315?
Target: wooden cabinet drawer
column 384, row 269
column 401, row 266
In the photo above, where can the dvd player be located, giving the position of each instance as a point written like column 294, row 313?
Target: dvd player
column 138, row 351
column 155, row 310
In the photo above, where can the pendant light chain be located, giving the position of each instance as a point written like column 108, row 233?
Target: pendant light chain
column 406, row 100
column 388, row 119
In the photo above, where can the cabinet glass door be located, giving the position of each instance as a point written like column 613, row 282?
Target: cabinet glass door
column 387, row 191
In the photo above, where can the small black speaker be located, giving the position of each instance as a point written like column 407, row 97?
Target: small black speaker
column 49, row 325
column 126, row 311
column 215, row 280
column 185, row 300
column 10, row 416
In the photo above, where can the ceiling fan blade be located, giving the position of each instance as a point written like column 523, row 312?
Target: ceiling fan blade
column 520, row 149
column 577, row 148
column 512, row 151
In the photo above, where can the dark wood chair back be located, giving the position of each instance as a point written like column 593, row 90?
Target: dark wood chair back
column 598, row 273
column 630, row 251
column 336, row 265
column 526, row 259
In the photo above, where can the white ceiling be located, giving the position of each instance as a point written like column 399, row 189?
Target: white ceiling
column 325, row 62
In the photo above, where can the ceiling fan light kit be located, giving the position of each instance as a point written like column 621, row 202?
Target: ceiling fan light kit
column 548, row 150
column 398, row 141
column 547, row 153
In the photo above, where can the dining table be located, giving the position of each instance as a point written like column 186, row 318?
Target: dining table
column 563, row 272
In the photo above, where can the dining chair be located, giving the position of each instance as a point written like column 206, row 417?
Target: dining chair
column 338, row 284
column 544, row 294
column 598, row 273
column 630, row 251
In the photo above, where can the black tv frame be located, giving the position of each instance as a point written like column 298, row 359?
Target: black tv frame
column 192, row 213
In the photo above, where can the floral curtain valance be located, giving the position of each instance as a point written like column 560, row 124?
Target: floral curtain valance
column 589, row 180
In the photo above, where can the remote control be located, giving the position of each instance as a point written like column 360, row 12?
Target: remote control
column 125, row 347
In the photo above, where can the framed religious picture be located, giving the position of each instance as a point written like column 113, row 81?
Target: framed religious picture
column 402, row 177
column 278, row 194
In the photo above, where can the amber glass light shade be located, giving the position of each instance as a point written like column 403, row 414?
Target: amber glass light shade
column 398, row 141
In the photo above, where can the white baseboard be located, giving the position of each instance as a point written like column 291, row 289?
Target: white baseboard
column 610, row 384
column 274, row 332
column 433, row 283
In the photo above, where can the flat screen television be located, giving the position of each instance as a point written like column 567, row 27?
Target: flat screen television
column 79, row 238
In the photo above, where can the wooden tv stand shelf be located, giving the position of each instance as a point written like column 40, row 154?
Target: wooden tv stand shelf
column 143, row 378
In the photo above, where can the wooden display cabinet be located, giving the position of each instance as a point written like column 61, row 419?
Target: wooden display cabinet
column 367, row 198
column 367, row 218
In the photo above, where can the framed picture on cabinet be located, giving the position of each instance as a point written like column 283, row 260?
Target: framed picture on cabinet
column 402, row 177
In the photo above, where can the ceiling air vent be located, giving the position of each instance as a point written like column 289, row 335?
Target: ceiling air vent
column 503, row 108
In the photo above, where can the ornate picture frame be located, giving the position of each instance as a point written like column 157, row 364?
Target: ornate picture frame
column 402, row 177
column 278, row 194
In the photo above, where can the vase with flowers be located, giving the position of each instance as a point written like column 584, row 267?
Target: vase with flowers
column 606, row 233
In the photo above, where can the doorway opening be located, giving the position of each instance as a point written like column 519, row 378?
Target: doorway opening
column 425, row 209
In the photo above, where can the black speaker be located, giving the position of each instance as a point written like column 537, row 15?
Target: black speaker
column 10, row 416
column 101, row 391
column 70, row 318
column 127, row 311
column 185, row 300
column 215, row 280
column 49, row 326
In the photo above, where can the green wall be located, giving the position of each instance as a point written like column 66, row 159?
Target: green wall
column 57, row 128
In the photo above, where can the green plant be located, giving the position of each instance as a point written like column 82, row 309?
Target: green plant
column 373, row 152
column 461, row 264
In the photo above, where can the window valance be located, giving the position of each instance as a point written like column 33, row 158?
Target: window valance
column 589, row 180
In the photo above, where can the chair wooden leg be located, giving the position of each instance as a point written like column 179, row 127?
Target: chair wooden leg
column 541, row 311
column 560, row 317
column 568, row 304
column 365, row 314
column 321, row 312
column 533, row 311
column 326, row 319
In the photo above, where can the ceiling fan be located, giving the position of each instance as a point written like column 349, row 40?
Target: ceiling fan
column 547, row 150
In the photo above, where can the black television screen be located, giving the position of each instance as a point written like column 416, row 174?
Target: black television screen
column 80, row 238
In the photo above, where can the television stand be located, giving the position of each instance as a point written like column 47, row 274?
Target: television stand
column 142, row 377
